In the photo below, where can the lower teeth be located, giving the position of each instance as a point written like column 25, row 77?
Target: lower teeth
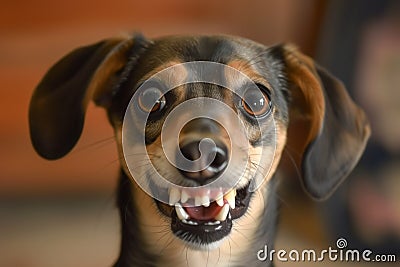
column 189, row 222
column 212, row 223
column 196, row 223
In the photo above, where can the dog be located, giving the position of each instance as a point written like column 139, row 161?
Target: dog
column 297, row 109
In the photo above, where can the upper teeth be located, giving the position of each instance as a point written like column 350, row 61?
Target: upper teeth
column 177, row 196
column 174, row 196
column 197, row 201
column 184, row 197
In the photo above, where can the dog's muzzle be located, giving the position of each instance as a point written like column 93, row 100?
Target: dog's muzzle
column 202, row 168
column 195, row 218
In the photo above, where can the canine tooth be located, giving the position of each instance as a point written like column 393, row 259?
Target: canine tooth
column 182, row 215
column 174, row 196
column 184, row 196
column 220, row 199
column 221, row 216
column 230, row 197
column 205, row 200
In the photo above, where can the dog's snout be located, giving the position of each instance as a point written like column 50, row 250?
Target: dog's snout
column 208, row 160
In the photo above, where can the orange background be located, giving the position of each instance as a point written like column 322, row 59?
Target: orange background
column 35, row 34
column 62, row 213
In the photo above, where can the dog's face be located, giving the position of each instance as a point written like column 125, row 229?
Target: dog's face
column 202, row 187
column 217, row 185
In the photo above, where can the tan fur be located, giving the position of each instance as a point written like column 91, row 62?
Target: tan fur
column 177, row 76
column 307, row 115
column 102, row 79
column 235, row 81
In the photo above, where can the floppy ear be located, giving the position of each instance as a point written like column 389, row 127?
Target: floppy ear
column 58, row 104
column 327, row 130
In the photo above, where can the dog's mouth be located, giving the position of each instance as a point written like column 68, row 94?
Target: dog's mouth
column 199, row 222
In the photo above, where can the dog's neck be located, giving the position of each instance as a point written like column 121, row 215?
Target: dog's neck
column 136, row 251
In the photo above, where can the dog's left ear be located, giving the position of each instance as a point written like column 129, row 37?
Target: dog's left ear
column 58, row 105
column 327, row 130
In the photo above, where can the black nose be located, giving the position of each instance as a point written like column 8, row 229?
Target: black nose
column 207, row 160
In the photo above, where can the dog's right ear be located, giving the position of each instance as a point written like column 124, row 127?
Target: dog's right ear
column 58, row 104
column 327, row 131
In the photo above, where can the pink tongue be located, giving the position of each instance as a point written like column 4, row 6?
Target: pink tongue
column 203, row 213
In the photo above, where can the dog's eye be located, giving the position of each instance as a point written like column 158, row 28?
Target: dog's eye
column 152, row 99
column 256, row 102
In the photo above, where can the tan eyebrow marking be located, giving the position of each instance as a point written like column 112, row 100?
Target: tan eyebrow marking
column 177, row 75
column 247, row 69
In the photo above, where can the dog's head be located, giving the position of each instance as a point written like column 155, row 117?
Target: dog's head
column 245, row 105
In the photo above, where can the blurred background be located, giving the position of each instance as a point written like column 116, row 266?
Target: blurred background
column 62, row 213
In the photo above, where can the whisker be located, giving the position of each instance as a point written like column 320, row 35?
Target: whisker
column 168, row 244
column 293, row 161
column 230, row 250
column 219, row 255
column 240, row 232
column 97, row 144
column 208, row 256
column 187, row 258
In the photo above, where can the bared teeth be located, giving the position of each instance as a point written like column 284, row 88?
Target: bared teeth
column 230, row 198
column 177, row 196
column 221, row 216
column 227, row 202
column 174, row 196
column 182, row 215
